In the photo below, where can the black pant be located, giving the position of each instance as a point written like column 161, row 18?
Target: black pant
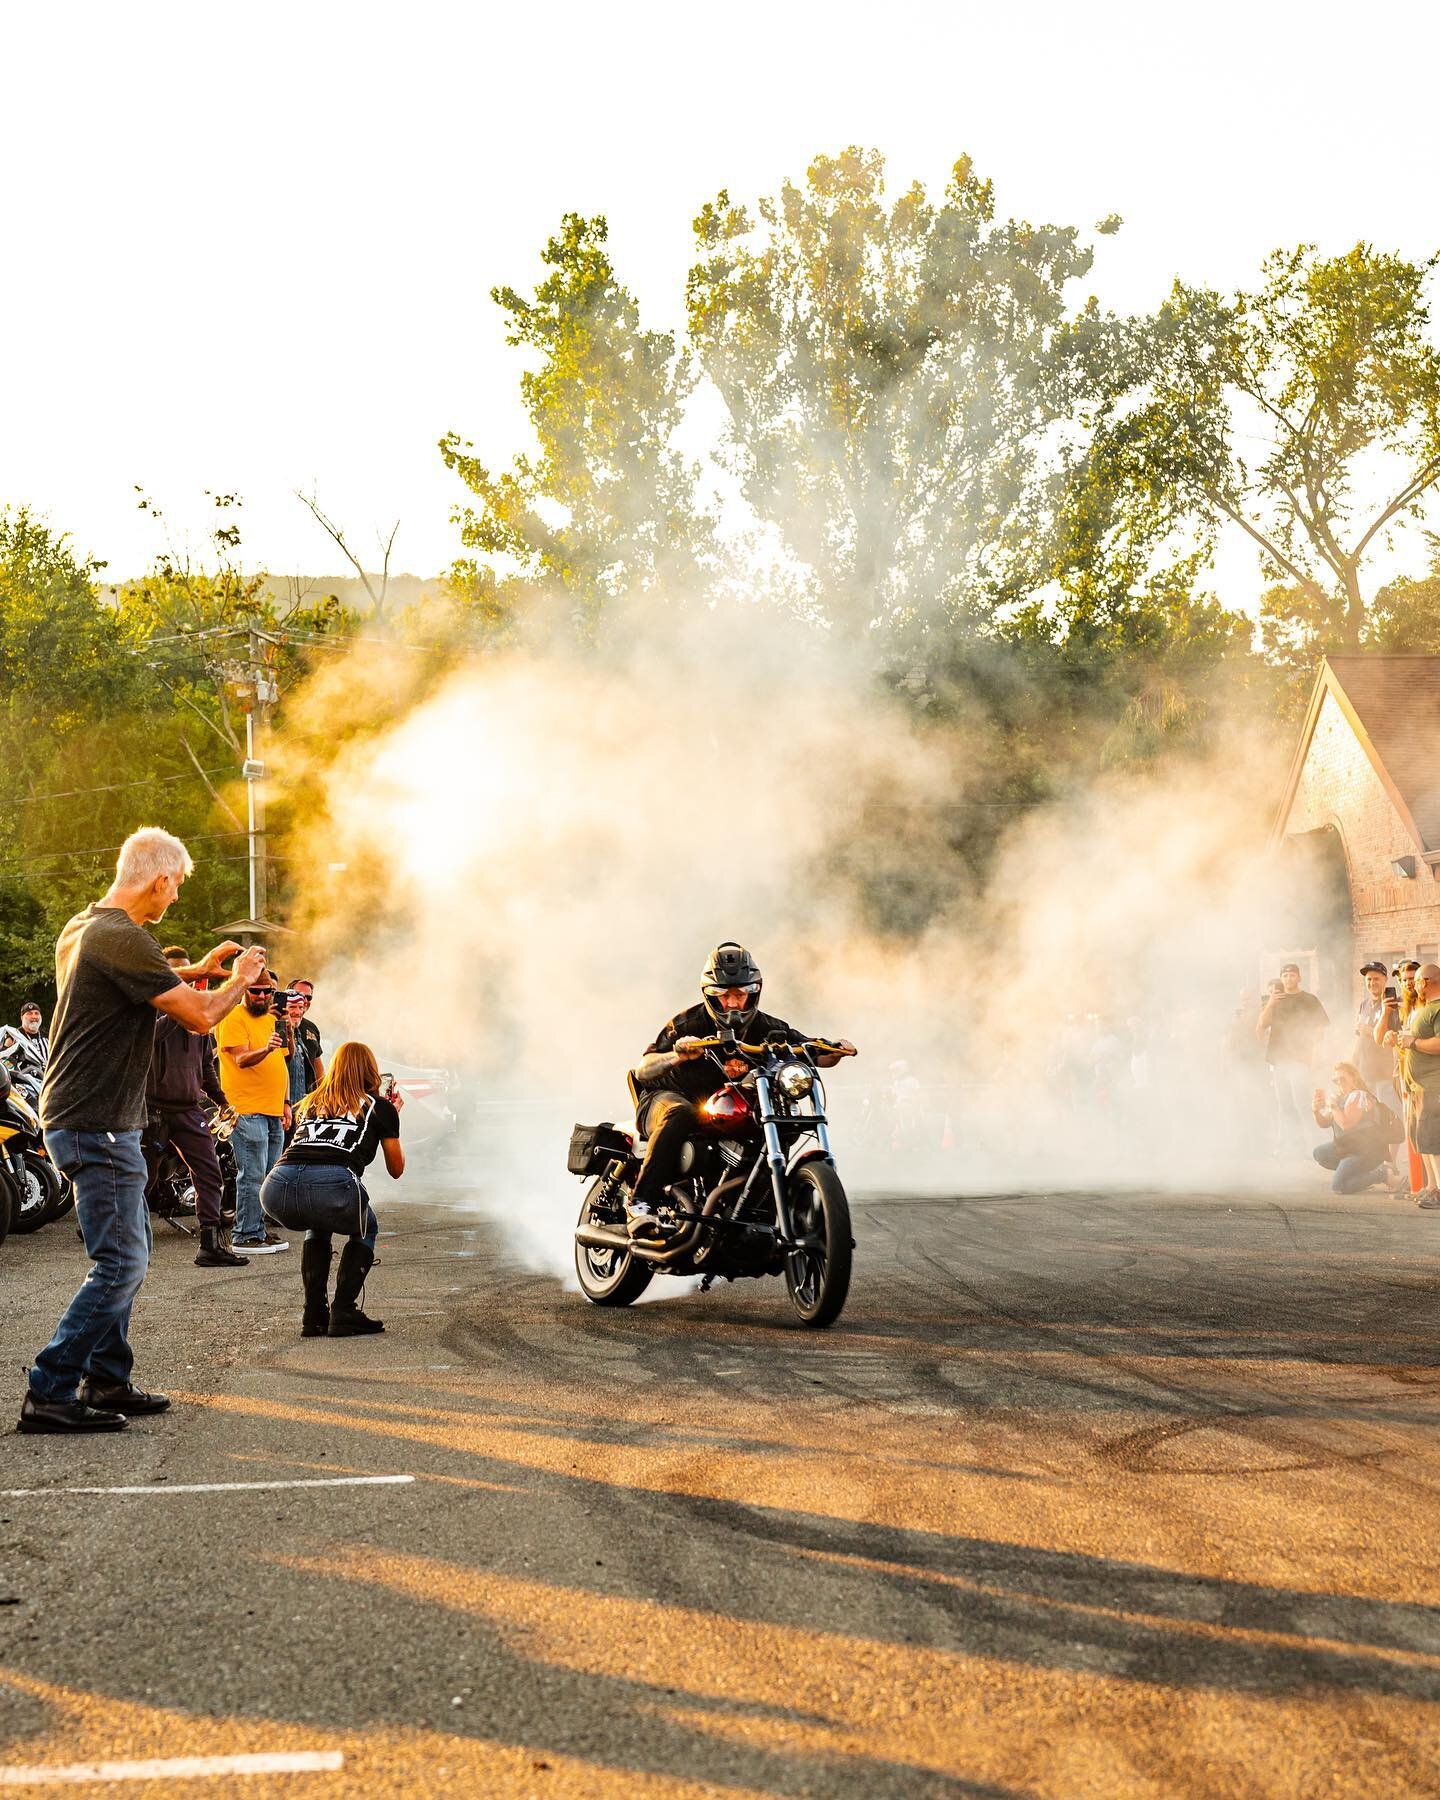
column 665, row 1119
column 187, row 1134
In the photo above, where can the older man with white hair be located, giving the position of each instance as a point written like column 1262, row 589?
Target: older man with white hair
column 112, row 978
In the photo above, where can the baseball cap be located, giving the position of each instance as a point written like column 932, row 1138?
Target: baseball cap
column 1373, row 968
column 1285, row 968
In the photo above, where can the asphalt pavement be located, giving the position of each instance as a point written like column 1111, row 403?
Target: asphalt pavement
column 1086, row 1494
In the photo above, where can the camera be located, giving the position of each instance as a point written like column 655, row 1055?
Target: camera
column 280, row 1001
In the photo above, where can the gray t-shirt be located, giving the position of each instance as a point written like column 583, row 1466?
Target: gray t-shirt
column 107, row 971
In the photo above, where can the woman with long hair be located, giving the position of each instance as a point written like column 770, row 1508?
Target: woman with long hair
column 316, row 1186
column 1362, row 1129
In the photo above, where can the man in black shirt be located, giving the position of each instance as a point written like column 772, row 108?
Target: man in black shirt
column 1290, row 1025
column 110, row 974
column 183, row 1076
column 675, row 1074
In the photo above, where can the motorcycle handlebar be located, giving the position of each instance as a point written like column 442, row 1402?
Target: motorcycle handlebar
column 821, row 1044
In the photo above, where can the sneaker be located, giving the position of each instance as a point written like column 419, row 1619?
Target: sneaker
column 1430, row 1199
column 261, row 1246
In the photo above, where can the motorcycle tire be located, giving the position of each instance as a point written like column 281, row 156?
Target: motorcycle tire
column 819, row 1278
column 37, row 1192
column 58, row 1197
column 608, row 1277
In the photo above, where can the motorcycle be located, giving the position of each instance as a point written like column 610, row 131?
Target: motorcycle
column 171, row 1195
column 38, row 1191
column 758, row 1192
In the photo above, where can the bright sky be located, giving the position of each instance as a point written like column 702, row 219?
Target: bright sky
column 251, row 248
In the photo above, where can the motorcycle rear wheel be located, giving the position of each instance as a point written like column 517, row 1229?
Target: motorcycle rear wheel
column 608, row 1277
column 818, row 1277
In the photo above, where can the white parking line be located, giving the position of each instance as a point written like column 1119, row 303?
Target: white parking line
column 214, row 1487
column 177, row 1768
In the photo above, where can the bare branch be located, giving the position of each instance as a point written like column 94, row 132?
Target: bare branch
column 328, row 525
column 215, row 793
column 1427, row 477
column 1308, row 582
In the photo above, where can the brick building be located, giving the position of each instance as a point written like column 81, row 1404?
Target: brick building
column 1360, row 815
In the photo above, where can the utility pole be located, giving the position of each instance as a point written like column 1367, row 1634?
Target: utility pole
column 262, row 694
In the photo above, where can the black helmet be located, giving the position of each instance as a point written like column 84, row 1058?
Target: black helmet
column 731, row 966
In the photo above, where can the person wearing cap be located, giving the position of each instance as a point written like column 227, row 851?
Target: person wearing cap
column 1392, row 1021
column 1419, row 1045
column 1372, row 1059
column 1290, row 1025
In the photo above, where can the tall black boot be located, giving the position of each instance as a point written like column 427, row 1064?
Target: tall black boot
column 346, row 1318
column 315, row 1273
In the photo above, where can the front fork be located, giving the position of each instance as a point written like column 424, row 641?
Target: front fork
column 775, row 1156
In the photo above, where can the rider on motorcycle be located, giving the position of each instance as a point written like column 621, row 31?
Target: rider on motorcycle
column 25, row 1051
column 671, row 1079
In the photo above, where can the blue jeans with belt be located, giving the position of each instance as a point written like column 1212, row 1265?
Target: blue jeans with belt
column 257, row 1141
column 322, row 1200
column 93, row 1336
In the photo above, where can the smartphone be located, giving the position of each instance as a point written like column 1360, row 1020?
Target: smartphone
column 1390, row 994
column 387, row 1087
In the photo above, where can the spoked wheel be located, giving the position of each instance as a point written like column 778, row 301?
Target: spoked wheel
column 39, row 1188
column 608, row 1277
column 818, row 1273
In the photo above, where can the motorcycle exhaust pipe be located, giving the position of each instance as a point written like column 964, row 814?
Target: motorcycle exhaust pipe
column 595, row 1237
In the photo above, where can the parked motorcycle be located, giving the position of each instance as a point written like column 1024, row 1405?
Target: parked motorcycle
column 171, row 1195
column 758, row 1193
column 38, row 1191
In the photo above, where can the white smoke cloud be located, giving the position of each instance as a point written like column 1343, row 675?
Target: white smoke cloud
column 553, row 841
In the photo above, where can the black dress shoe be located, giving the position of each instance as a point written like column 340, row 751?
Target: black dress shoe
column 131, row 1401
column 67, row 1415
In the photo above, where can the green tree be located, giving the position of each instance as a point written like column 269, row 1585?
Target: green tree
column 1328, row 369
column 608, row 504
column 897, row 373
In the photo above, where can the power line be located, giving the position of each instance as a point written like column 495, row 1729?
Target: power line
column 196, row 837
column 114, row 787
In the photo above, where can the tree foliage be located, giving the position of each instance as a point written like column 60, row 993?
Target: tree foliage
column 607, row 505
column 1326, row 368
column 893, row 372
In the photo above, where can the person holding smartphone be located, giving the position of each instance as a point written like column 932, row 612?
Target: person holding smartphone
column 317, row 1186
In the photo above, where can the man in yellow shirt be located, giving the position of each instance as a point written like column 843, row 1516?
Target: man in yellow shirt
column 254, row 1076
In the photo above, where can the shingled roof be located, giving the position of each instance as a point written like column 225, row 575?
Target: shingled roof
column 1393, row 706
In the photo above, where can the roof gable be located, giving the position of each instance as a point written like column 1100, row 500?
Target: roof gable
column 1392, row 704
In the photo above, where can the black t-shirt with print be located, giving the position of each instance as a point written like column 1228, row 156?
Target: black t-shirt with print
column 107, row 971
column 349, row 1141
column 699, row 1079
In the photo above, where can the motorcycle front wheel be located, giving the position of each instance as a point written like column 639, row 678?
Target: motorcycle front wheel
column 608, row 1277
column 39, row 1194
column 818, row 1274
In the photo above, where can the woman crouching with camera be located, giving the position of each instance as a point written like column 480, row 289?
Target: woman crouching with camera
column 316, row 1186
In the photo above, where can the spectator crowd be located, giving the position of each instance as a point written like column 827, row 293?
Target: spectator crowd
column 157, row 1063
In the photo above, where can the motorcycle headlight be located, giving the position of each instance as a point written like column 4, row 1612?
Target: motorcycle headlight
column 795, row 1081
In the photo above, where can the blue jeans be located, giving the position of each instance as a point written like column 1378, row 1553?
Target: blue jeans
column 1353, row 1173
column 92, row 1338
column 322, row 1200
column 257, row 1141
